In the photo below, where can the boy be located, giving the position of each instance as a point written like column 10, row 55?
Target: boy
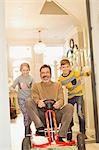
column 72, row 81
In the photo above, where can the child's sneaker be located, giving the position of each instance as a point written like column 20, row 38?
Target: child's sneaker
column 28, row 131
column 69, row 135
column 60, row 139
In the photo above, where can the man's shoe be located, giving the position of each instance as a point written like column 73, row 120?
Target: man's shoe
column 40, row 131
column 60, row 139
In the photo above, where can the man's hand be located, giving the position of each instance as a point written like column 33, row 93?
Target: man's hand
column 58, row 104
column 41, row 103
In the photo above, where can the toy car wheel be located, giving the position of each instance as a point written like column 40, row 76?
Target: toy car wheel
column 26, row 143
column 81, row 142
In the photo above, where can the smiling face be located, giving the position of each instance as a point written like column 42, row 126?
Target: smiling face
column 45, row 75
column 25, row 70
column 66, row 69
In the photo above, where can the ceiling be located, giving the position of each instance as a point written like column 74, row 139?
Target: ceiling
column 25, row 17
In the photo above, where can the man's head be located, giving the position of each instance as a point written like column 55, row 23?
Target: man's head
column 45, row 73
column 65, row 66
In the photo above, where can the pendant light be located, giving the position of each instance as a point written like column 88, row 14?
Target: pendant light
column 39, row 47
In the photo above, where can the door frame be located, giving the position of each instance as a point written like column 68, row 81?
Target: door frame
column 95, row 104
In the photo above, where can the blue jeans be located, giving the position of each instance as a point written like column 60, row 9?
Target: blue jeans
column 79, row 101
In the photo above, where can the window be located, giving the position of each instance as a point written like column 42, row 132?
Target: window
column 52, row 54
column 18, row 55
column 19, row 52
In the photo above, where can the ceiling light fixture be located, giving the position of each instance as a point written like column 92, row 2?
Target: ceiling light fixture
column 48, row 0
column 39, row 47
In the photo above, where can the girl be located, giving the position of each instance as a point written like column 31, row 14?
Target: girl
column 24, row 83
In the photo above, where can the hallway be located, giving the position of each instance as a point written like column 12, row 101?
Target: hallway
column 20, row 22
column 17, row 134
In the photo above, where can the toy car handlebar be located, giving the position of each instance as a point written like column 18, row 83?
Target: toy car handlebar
column 49, row 103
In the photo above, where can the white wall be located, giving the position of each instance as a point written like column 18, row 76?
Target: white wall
column 5, row 139
column 95, row 33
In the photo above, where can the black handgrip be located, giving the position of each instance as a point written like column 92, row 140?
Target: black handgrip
column 49, row 103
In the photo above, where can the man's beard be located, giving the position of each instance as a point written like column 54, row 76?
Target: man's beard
column 46, row 79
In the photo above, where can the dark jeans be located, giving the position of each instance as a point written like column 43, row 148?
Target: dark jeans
column 79, row 101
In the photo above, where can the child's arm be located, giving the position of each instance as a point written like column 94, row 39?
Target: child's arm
column 12, row 88
column 85, row 72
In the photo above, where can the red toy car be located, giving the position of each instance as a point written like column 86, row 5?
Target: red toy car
column 51, row 134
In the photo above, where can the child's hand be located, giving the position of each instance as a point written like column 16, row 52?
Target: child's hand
column 11, row 89
column 87, row 71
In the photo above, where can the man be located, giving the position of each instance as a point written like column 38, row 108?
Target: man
column 47, row 89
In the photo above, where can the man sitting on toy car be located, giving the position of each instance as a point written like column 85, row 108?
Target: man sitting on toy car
column 47, row 89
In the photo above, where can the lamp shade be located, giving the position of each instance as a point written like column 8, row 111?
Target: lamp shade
column 39, row 47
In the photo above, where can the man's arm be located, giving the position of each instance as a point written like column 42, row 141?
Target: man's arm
column 36, row 96
column 35, row 93
column 60, row 97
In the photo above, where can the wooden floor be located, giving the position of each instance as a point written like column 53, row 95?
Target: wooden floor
column 17, row 135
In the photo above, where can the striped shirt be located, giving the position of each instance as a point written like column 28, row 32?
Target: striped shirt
column 73, row 83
